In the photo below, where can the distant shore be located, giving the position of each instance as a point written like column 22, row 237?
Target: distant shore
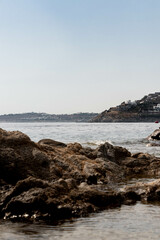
column 45, row 117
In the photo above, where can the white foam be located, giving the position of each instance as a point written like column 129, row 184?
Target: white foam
column 96, row 142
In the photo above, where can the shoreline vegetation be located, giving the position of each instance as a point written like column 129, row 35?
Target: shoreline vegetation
column 51, row 181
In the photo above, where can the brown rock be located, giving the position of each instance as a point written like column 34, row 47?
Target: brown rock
column 114, row 154
column 50, row 180
column 52, row 143
column 155, row 135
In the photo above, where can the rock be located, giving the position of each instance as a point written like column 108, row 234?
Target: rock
column 153, row 144
column 52, row 143
column 13, row 138
column 145, row 192
column 74, row 147
column 88, row 152
column 141, row 165
column 50, row 180
column 142, row 156
column 155, row 135
column 21, row 158
column 114, row 154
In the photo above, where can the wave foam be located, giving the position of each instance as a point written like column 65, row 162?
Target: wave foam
column 96, row 142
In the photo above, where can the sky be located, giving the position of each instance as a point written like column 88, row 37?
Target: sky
column 68, row 56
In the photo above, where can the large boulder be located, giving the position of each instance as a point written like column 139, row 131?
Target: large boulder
column 21, row 158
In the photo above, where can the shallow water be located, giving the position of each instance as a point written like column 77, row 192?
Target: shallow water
column 126, row 223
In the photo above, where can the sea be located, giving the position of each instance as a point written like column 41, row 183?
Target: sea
column 139, row 221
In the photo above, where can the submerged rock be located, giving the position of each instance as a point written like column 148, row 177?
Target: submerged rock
column 50, row 180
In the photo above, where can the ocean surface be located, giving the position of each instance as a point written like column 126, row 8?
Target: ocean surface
column 140, row 221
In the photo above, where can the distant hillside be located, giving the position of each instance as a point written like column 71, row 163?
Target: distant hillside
column 146, row 109
column 44, row 117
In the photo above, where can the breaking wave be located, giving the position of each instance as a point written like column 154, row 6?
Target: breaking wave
column 95, row 143
column 118, row 142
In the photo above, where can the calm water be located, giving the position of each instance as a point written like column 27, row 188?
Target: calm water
column 128, row 222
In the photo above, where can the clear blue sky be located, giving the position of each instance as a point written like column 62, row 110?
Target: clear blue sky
column 66, row 56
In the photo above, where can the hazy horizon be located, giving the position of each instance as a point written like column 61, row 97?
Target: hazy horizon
column 49, row 113
column 65, row 57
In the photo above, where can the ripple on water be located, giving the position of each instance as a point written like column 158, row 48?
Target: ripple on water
column 138, row 221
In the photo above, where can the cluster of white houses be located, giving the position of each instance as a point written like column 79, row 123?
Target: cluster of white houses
column 154, row 95
column 150, row 103
column 156, row 108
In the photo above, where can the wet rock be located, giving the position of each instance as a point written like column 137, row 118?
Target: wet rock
column 155, row 135
column 145, row 192
column 153, row 144
column 52, row 180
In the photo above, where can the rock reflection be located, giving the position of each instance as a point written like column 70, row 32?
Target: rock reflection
column 138, row 221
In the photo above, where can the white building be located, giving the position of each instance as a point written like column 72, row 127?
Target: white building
column 156, row 108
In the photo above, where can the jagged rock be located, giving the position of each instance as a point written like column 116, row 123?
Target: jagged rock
column 50, row 180
column 112, row 153
column 146, row 192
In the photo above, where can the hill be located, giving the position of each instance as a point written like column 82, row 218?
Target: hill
column 44, row 117
column 146, row 109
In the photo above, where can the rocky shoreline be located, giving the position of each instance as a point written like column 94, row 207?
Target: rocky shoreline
column 51, row 181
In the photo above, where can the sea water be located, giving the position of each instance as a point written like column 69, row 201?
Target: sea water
column 132, row 136
column 140, row 221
